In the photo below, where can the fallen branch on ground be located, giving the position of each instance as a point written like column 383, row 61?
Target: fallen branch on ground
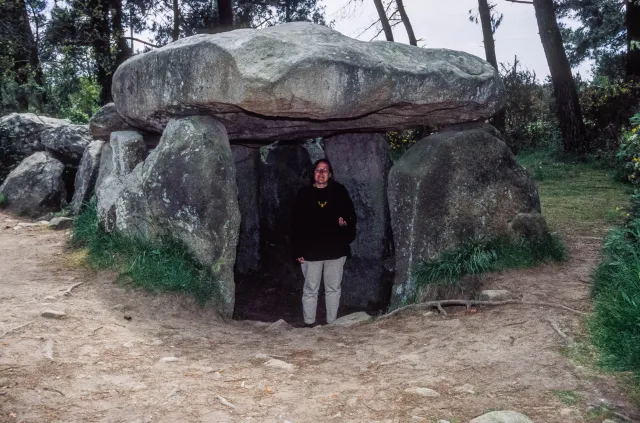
column 16, row 328
column 470, row 303
column 68, row 291
column 555, row 327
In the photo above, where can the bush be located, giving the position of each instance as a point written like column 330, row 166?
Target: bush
column 166, row 266
column 615, row 324
column 3, row 201
column 629, row 152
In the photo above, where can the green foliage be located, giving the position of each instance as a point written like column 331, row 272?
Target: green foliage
column 166, row 266
column 569, row 398
column 529, row 120
column 629, row 152
column 607, row 105
column 401, row 141
column 615, row 324
column 478, row 256
column 3, row 200
column 83, row 103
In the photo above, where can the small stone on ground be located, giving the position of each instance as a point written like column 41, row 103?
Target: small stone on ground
column 53, row 314
column 502, row 417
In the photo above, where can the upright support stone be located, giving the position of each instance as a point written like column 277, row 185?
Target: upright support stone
column 284, row 169
column 186, row 189
column 247, row 162
column 361, row 163
column 453, row 187
column 120, row 156
column 86, row 176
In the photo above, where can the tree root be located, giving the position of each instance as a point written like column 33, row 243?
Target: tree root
column 470, row 303
column 68, row 291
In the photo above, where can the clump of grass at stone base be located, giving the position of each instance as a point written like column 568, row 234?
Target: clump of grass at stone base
column 615, row 324
column 3, row 201
column 478, row 256
column 166, row 266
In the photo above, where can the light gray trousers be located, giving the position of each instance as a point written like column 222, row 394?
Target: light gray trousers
column 313, row 272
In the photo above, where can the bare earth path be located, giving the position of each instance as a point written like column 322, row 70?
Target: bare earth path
column 96, row 366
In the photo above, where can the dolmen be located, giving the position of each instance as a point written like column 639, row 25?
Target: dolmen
column 210, row 137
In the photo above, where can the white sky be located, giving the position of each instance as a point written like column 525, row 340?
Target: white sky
column 445, row 24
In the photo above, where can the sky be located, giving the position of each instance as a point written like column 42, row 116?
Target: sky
column 445, row 24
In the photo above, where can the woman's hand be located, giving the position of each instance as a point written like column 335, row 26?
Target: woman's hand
column 342, row 222
column 300, row 260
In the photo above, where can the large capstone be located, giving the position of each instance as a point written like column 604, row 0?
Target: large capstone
column 186, row 190
column 450, row 188
column 118, row 159
column 300, row 80
column 361, row 163
column 35, row 187
column 20, row 137
column 247, row 162
column 86, row 176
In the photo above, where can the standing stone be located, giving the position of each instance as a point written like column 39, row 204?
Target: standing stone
column 361, row 163
column 119, row 157
column 285, row 167
column 186, row 189
column 86, row 176
column 35, row 187
column 247, row 162
column 450, row 188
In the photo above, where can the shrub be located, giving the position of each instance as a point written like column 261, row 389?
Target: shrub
column 629, row 152
column 615, row 324
column 3, row 200
column 165, row 266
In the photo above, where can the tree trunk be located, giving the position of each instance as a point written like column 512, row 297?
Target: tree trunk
column 632, row 22
column 123, row 52
column 225, row 13
column 101, row 44
column 25, row 55
column 406, row 22
column 487, row 32
column 384, row 20
column 175, row 32
column 567, row 104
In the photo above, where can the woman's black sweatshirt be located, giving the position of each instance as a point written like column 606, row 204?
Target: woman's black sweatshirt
column 315, row 232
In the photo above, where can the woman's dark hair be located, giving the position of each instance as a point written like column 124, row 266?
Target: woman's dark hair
column 325, row 160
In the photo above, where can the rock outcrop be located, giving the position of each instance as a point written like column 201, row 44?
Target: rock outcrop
column 449, row 188
column 299, row 80
column 35, row 187
column 20, row 137
column 86, row 176
column 66, row 142
column 361, row 162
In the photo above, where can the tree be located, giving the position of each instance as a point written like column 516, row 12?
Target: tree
column 564, row 89
column 632, row 23
column 406, row 22
column 489, row 24
column 384, row 20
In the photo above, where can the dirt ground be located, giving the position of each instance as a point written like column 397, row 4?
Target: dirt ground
column 96, row 365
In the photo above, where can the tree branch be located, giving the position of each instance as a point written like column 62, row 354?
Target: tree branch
column 520, row 1
column 141, row 41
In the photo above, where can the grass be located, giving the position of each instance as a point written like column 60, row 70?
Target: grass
column 580, row 198
column 615, row 324
column 166, row 266
column 477, row 257
column 3, row 200
column 568, row 397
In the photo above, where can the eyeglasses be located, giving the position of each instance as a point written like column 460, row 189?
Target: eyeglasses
column 322, row 170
